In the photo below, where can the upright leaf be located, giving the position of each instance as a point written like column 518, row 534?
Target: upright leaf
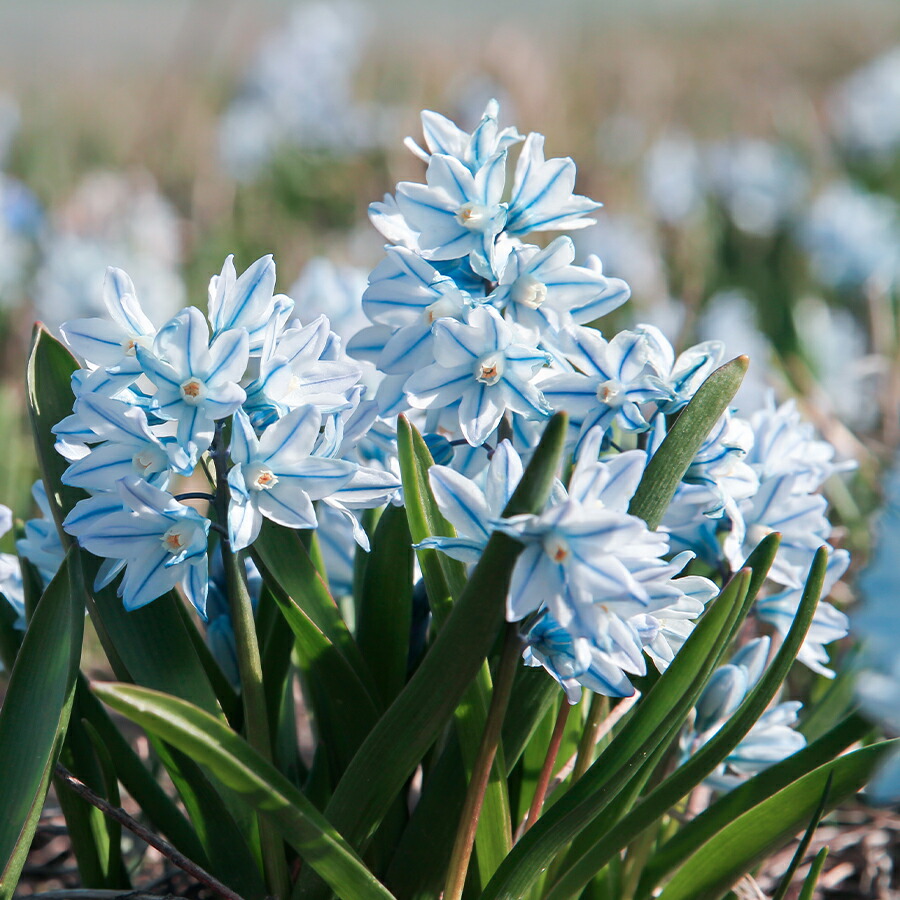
column 667, row 466
column 667, row 703
column 445, row 580
column 409, row 727
column 35, row 714
column 751, row 837
column 385, row 604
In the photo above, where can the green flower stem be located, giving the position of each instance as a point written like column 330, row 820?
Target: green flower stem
column 540, row 792
column 481, row 769
column 596, row 714
column 256, row 721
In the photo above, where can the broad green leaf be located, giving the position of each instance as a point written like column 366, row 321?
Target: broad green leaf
column 445, row 580
column 224, row 824
column 602, row 839
column 667, row 466
column 751, row 837
column 385, row 604
column 736, row 802
column 279, row 553
column 412, row 723
column 154, row 802
column 35, row 714
column 666, row 703
column 214, row 745
column 150, row 646
column 342, row 704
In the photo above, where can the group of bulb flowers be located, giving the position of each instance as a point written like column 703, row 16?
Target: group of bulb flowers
column 478, row 337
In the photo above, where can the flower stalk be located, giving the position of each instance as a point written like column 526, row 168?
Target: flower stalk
column 543, row 783
column 249, row 661
column 481, row 770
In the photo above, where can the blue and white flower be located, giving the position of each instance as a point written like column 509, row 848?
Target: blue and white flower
column 278, row 476
column 480, row 363
column 161, row 542
column 196, row 382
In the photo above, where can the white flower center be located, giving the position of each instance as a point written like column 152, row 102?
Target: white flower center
column 529, row 291
column 193, row 391
column 611, row 392
column 149, row 461
column 260, row 478
column 556, row 548
column 179, row 537
column 474, row 216
column 133, row 341
column 489, row 369
column 442, row 308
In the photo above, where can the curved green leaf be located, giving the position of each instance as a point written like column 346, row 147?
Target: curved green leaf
column 601, row 840
column 667, row 703
column 281, row 553
column 751, row 837
column 667, row 466
column 211, row 743
column 35, row 714
column 744, row 797
column 409, row 727
column 445, row 580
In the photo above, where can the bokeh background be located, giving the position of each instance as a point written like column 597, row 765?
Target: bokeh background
column 747, row 153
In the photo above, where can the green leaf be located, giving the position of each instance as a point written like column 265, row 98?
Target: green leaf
column 224, row 824
column 279, row 553
column 276, row 641
column 665, row 705
column 812, row 879
column 419, row 864
column 603, row 839
column 667, row 466
column 99, row 862
column 35, row 714
column 385, row 604
column 149, row 646
column 111, row 838
column 154, row 802
column 534, row 695
column 415, row 719
column 210, row 742
column 50, row 400
column 445, row 580
column 751, row 837
column 744, row 797
column 803, row 846
column 343, row 707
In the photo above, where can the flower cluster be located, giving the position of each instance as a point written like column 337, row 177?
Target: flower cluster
column 151, row 403
column 480, row 337
column 771, row 739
